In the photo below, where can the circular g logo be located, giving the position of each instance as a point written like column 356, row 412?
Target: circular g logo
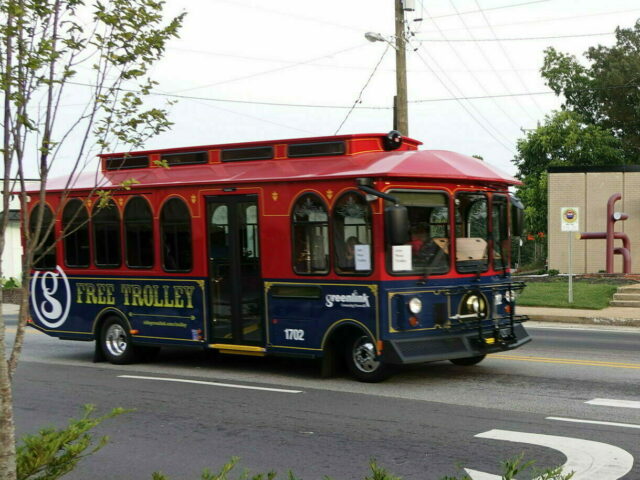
column 51, row 297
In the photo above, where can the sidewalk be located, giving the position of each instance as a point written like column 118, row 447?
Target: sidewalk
column 617, row 316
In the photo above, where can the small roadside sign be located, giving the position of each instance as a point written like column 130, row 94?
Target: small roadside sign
column 570, row 219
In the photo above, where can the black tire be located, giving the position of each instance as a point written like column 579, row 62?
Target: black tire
column 115, row 341
column 468, row 361
column 363, row 365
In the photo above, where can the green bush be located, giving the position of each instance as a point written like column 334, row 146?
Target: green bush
column 11, row 283
column 510, row 468
column 52, row 453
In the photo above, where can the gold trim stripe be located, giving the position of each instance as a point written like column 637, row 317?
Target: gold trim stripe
column 239, row 348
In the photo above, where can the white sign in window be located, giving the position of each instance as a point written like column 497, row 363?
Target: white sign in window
column 362, row 257
column 401, row 258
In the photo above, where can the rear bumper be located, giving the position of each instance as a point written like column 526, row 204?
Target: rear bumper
column 458, row 345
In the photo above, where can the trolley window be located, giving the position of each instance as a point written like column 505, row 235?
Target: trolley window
column 138, row 233
column 175, row 225
column 106, row 235
column 316, row 149
column 310, row 223
column 45, row 255
column 75, row 227
column 125, row 163
column 189, row 158
column 352, row 234
column 500, row 232
column 427, row 252
column 471, row 232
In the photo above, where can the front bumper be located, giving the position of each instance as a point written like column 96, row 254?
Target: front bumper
column 470, row 343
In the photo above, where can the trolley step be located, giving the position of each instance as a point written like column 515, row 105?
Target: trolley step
column 239, row 349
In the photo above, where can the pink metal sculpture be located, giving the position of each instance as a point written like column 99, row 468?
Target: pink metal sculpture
column 610, row 235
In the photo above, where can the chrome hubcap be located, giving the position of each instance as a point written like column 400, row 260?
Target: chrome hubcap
column 116, row 340
column 364, row 355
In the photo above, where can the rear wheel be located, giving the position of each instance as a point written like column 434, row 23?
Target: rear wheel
column 468, row 361
column 115, row 342
column 363, row 363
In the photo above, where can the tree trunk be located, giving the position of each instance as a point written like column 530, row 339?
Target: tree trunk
column 7, row 427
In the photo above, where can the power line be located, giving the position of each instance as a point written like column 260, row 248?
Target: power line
column 366, row 84
column 514, row 39
column 273, row 70
column 292, row 15
column 549, row 19
column 474, row 77
column 363, row 107
column 323, row 65
column 486, row 123
column 508, row 57
column 492, row 8
column 489, row 62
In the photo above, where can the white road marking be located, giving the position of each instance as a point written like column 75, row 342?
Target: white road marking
column 215, row 384
column 610, row 402
column 587, row 459
column 594, row 422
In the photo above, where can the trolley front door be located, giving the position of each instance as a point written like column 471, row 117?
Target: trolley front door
column 234, row 268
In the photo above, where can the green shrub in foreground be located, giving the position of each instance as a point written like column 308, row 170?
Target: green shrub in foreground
column 510, row 468
column 52, row 453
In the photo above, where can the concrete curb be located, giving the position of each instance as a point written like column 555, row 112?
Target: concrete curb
column 581, row 320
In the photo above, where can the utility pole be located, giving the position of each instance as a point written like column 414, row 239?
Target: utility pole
column 400, row 110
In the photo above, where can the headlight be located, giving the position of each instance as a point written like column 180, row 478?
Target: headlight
column 509, row 296
column 474, row 303
column 415, row 305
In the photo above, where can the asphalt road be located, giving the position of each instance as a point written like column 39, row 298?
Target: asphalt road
column 426, row 422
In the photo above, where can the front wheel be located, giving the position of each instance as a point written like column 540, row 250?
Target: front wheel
column 115, row 342
column 363, row 363
column 468, row 361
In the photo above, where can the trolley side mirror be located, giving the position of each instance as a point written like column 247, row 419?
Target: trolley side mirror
column 396, row 219
column 517, row 217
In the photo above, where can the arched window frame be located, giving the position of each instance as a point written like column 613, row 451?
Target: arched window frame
column 139, row 248
column 302, row 260
column 343, row 253
column 106, row 241
column 169, row 230
column 76, row 234
column 48, row 259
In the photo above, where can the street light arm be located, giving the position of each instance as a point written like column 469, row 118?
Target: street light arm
column 378, row 37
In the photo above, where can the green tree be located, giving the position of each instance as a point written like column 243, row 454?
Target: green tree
column 605, row 91
column 97, row 53
column 564, row 139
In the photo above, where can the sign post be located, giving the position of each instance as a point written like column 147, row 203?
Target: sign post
column 570, row 223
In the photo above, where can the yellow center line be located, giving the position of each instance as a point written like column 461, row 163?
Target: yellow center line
column 567, row 361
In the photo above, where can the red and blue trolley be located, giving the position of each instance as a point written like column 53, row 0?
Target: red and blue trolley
column 357, row 248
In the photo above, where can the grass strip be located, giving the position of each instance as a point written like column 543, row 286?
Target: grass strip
column 555, row 294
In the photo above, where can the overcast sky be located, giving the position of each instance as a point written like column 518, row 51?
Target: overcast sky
column 239, row 56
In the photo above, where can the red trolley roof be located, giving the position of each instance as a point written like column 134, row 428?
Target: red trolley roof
column 364, row 156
